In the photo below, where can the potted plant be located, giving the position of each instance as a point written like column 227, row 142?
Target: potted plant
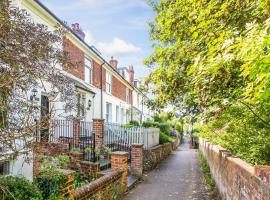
column 87, row 153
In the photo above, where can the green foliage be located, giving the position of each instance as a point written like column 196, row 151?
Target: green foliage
column 163, row 138
column 211, row 61
column 60, row 161
column 239, row 131
column 88, row 150
column 50, row 182
column 149, row 123
column 107, row 150
column 134, row 123
column 206, row 171
column 18, row 188
column 74, row 149
column 78, row 181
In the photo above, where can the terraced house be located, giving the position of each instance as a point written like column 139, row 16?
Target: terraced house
column 103, row 89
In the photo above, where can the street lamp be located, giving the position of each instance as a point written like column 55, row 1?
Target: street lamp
column 33, row 94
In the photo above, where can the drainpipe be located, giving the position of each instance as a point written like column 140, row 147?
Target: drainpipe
column 101, row 92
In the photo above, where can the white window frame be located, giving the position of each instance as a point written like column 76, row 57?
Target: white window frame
column 117, row 112
column 108, row 82
column 88, row 71
column 108, row 112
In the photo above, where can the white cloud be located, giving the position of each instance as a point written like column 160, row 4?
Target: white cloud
column 118, row 47
column 89, row 39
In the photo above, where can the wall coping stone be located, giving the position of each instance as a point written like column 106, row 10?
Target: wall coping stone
column 95, row 119
column 137, row 145
column 120, row 153
column 100, row 182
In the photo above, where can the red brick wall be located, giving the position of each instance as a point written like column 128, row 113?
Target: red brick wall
column 96, row 76
column 118, row 89
column 235, row 179
column 75, row 57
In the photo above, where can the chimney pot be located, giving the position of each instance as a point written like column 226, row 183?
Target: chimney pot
column 113, row 62
column 77, row 30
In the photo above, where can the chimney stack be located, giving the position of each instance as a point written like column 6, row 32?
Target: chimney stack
column 113, row 63
column 131, row 74
column 77, row 30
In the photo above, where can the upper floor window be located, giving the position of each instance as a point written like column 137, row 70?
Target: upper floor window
column 88, row 71
column 108, row 82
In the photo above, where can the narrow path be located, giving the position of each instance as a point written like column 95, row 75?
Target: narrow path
column 177, row 178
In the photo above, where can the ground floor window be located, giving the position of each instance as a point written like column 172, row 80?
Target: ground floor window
column 117, row 114
column 4, row 167
column 108, row 112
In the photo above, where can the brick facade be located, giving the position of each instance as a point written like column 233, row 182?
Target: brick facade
column 137, row 159
column 118, row 89
column 235, row 179
column 75, row 57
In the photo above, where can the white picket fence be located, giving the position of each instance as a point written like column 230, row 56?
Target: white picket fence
column 149, row 137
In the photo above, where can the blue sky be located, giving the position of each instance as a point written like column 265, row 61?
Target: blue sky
column 115, row 27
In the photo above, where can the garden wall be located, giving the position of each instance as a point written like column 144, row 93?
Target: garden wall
column 235, row 179
column 46, row 149
column 154, row 155
column 110, row 186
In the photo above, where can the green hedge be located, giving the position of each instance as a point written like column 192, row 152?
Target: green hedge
column 50, row 182
column 163, row 138
column 18, row 188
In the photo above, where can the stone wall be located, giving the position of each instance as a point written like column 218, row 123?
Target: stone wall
column 235, row 179
column 109, row 186
column 154, row 155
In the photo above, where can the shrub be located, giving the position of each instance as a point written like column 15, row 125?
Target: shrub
column 163, row 138
column 164, row 127
column 149, row 123
column 50, row 182
column 134, row 123
column 18, row 188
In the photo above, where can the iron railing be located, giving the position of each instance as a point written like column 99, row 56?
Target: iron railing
column 77, row 134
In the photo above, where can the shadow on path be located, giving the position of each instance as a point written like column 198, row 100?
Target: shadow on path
column 178, row 177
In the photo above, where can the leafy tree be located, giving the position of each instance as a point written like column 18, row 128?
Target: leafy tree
column 210, row 59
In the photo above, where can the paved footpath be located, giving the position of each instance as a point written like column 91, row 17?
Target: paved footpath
column 177, row 178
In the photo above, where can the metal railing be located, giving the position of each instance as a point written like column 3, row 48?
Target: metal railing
column 77, row 134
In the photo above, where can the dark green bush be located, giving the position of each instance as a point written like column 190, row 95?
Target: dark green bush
column 50, row 182
column 18, row 188
column 134, row 123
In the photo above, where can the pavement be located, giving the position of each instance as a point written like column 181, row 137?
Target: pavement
column 176, row 178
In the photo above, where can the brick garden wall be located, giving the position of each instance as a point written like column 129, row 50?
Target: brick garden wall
column 235, row 179
column 154, row 155
column 45, row 149
column 107, row 187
